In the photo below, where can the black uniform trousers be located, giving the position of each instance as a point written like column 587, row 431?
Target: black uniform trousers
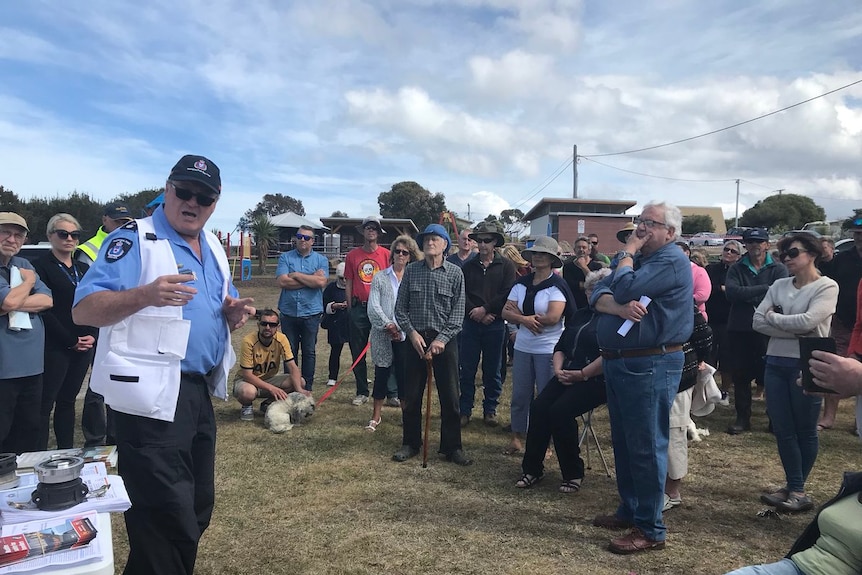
column 169, row 472
column 445, row 368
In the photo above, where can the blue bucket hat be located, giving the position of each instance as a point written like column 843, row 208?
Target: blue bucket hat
column 436, row 230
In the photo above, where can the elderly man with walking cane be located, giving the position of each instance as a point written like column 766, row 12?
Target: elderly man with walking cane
column 430, row 310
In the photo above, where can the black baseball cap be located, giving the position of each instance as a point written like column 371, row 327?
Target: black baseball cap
column 118, row 211
column 198, row 169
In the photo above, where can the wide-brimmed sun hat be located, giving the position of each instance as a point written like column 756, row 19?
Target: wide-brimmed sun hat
column 544, row 245
column 488, row 229
column 625, row 232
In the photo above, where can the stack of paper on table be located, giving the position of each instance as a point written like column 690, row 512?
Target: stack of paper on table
column 94, row 475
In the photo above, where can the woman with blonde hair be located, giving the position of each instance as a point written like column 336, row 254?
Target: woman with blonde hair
column 68, row 347
column 388, row 343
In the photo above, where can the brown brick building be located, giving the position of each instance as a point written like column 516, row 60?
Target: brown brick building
column 565, row 219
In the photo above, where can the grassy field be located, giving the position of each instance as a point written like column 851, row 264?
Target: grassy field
column 326, row 498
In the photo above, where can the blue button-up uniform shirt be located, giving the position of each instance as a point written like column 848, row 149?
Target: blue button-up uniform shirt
column 304, row 301
column 665, row 276
column 206, row 342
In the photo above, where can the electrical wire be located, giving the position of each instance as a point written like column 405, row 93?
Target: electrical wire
column 721, row 129
column 548, row 181
column 653, row 176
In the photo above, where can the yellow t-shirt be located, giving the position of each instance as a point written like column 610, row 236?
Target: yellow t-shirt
column 264, row 361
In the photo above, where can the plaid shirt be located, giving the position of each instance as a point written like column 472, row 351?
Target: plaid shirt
column 431, row 299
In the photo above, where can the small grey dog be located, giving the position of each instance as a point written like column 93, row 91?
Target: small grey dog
column 282, row 415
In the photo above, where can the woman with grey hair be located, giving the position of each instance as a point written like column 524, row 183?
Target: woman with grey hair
column 388, row 343
column 68, row 347
column 576, row 387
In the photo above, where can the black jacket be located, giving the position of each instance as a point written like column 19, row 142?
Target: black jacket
column 846, row 270
column 60, row 331
column 487, row 287
column 745, row 290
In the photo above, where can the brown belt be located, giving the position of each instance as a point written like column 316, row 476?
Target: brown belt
column 642, row 352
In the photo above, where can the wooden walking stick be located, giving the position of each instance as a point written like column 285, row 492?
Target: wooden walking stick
column 429, row 366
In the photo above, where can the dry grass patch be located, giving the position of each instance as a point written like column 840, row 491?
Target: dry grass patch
column 325, row 498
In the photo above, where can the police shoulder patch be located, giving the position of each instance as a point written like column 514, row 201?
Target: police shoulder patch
column 117, row 249
column 131, row 225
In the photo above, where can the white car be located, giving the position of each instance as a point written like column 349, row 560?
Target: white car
column 706, row 239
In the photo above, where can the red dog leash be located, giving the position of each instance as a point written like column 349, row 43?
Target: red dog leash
column 332, row 389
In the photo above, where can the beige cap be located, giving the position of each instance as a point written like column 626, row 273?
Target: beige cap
column 13, row 218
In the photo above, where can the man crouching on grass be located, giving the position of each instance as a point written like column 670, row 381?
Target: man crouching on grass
column 259, row 359
column 430, row 310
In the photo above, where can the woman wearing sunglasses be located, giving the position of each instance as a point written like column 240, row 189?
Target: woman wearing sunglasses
column 388, row 343
column 68, row 347
column 797, row 306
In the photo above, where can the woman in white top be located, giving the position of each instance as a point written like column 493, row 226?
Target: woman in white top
column 798, row 306
column 387, row 339
column 537, row 304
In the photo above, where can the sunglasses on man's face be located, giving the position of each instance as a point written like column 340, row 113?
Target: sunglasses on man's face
column 64, row 235
column 595, row 243
column 304, row 237
column 186, row 194
column 269, row 323
column 486, row 240
column 791, row 254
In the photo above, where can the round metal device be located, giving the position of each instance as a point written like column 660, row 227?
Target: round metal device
column 59, row 469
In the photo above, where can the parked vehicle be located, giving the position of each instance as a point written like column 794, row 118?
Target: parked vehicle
column 844, row 245
column 706, row 239
column 735, row 233
column 32, row 252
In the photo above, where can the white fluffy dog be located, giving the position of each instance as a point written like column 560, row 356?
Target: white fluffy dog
column 282, row 415
column 696, row 433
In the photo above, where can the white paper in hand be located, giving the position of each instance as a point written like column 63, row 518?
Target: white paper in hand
column 18, row 320
column 627, row 325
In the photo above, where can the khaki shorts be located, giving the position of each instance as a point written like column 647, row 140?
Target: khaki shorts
column 677, row 448
column 281, row 380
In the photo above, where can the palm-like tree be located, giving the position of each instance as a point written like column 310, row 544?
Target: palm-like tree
column 265, row 236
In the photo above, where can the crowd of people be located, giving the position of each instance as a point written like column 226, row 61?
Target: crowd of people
column 152, row 300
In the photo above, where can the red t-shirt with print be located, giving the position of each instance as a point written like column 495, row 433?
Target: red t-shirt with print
column 360, row 268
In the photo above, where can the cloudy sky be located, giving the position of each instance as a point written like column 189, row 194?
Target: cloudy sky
column 333, row 101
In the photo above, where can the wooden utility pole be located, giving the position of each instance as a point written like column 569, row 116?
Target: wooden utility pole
column 575, row 170
column 736, row 221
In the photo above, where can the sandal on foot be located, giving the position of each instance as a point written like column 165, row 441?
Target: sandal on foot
column 372, row 424
column 526, row 481
column 571, row 485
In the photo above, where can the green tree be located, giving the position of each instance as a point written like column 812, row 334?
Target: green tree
column 137, row 201
column 271, row 205
column 38, row 211
column 9, row 201
column 513, row 222
column 339, row 214
column 265, row 236
column 782, row 212
column 410, row 200
column 492, row 219
column 697, row 223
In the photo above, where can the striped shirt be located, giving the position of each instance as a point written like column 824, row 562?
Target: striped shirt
column 431, row 299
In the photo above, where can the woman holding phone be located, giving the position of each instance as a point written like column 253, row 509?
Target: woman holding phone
column 794, row 307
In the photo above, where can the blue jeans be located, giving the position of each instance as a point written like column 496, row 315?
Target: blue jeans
column 301, row 332
column 641, row 391
column 531, row 372
column 486, row 340
column 794, row 420
column 783, row 567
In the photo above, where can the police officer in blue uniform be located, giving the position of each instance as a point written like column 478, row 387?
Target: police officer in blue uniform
column 167, row 460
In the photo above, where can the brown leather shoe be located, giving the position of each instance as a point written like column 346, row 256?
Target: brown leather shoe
column 612, row 522
column 634, row 542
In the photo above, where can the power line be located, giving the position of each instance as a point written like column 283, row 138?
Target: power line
column 722, row 129
column 654, row 176
column 548, row 181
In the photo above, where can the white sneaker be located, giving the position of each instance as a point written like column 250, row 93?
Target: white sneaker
column 331, row 383
column 246, row 413
column 359, row 400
